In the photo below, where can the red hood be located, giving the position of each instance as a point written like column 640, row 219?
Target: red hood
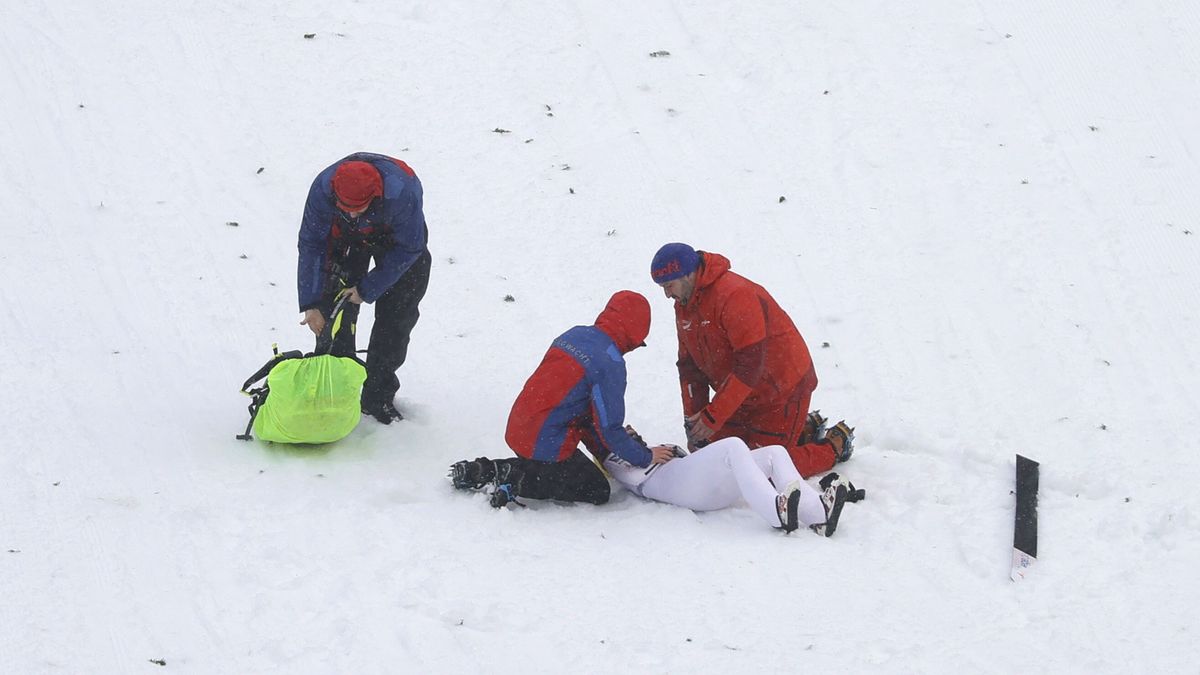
column 626, row 319
column 712, row 265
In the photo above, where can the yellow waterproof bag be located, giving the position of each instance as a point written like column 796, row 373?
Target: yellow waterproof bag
column 310, row 398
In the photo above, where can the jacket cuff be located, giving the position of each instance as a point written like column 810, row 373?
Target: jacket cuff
column 728, row 399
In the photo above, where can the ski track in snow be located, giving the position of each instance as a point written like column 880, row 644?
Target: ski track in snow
column 989, row 218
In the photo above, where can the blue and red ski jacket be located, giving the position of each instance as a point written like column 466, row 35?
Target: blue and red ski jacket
column 577, row 392
column 392, row 229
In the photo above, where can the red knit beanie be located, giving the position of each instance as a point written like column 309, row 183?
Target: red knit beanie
column 355, row 184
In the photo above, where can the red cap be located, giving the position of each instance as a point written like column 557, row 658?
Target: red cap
column 355, row 184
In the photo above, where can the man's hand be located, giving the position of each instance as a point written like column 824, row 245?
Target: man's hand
column 315, row 320
column 697, row 429
column 352, row 292
column 661, row 454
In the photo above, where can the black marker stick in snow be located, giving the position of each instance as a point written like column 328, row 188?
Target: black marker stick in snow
column 1025, row 523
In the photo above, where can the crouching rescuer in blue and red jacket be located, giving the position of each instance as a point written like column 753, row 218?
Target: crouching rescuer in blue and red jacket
column 576, row 395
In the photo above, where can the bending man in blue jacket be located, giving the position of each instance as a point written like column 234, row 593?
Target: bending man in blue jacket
column 366, row 206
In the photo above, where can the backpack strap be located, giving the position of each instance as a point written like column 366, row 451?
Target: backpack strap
column 259, row 394
column 257, row 397
column 332, row 327
column 266, row 369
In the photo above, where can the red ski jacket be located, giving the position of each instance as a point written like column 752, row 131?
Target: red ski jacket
column 735, row 339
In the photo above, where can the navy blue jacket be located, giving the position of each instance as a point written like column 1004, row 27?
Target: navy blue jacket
column 392, row 229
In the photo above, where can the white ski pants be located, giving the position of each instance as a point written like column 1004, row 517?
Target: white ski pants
column 721, row 473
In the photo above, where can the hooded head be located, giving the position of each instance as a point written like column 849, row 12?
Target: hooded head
column 626, row 319
column 355, row 184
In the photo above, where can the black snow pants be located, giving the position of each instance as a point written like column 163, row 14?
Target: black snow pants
column 396, row 313
column 575, row 479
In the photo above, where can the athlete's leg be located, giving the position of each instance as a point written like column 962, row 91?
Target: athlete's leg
column 752, row 480
column 714, row 477
column 702, row 481
column 775, row 462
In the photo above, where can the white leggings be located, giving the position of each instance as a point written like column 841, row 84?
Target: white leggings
column 719, row 474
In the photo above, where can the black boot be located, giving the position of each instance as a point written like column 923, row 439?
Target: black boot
column 508, row 484
column 834, row 493
column 384, row 413
column 787, row 505
column 472, row 474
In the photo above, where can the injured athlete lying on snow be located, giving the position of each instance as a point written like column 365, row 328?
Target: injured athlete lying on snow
column 713, row 477
column 720, row 474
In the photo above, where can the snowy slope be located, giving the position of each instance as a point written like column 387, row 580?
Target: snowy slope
column 989, row 214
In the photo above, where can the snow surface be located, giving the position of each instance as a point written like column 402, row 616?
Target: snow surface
column 990, row 216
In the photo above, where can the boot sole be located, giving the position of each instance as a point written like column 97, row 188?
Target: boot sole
column 460, row 481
